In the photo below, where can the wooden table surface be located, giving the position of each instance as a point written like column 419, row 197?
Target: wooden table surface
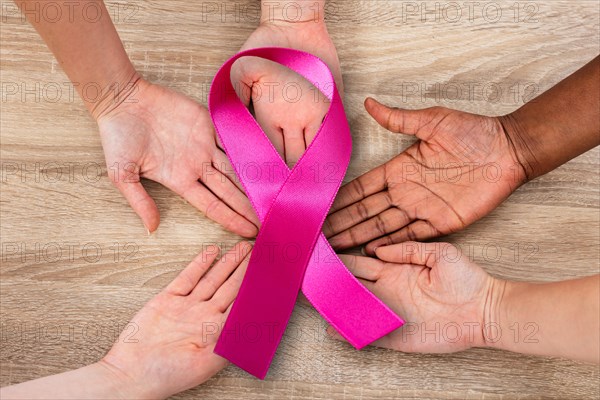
column 77, row 263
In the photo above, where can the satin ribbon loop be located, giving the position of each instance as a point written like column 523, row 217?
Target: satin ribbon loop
column 290, row 252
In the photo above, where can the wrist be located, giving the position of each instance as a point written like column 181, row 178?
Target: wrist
column 520, row 131
column 494, row 311
column 120, row 383
column 120, row 91
column 286, row 12
column 518, row 146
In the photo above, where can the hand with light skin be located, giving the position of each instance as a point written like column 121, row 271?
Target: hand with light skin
column 462, row 165
column 147, row 131
column 172, row 347
column 451, row 304
column 166, row 137
column 289, row 109
column 424, row 285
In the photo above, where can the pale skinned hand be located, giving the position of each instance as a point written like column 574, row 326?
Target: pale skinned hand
column 289, row 109
column 434, row 288
column 461, row 168
column 172, row 349
column 166, row 137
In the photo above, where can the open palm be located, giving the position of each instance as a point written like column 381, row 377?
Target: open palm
column 460, row 169
column 166, row 137
column 169, row 347
column 438, row 292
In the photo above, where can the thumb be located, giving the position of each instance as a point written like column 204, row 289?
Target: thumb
column 398, row 120
column 132, row 189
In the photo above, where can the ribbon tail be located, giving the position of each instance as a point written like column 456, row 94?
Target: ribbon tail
column 359, row 316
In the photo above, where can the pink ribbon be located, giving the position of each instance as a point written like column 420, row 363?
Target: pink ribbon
column 290, row 251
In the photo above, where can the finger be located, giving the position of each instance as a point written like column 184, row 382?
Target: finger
column 294, row 145
column 363, row 267
column 221, row 270
column 363, row 186
column 410, row 122
column 187, row 279
column 388, row 221
column 131, row 188
column 274, row 134
column 242, row 88
column 226, row 313
column 224, row 297
column 418, row 230
column 356, row 213
column 415, row 253
column 222, row 164
column 311, row 131
column 230, row 194
column 211, row 206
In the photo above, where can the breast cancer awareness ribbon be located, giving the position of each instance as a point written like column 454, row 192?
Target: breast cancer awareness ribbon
column 290, row 252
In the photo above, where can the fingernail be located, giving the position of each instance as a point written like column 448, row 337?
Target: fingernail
column 363, row 251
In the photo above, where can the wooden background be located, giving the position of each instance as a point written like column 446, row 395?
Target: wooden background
column 61, row 308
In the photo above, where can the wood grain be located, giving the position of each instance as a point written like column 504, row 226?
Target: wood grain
column 77, row 263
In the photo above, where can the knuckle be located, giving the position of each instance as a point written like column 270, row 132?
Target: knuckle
column 411, row 234
column 362, row 211
column 395, row 119
column 380, row 225
column 328, row 226
column 353, row 237
column 210, row 282
column 211, row 208
column 404, row 215
column 388, row 240
column 358, row 188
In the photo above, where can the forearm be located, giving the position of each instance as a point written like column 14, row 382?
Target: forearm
column 559, row 125
column 292, row 11
column 96, row 381
column 559, row 319
column 88, row 49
